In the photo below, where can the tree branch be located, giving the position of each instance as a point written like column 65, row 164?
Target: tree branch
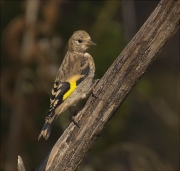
column 113, row 88
column 20, row 165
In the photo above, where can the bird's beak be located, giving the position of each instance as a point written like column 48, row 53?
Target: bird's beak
column 90, row 43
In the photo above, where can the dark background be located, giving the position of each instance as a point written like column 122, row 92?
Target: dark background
column 144, row 132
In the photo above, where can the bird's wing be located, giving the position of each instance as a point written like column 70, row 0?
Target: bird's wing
column 67, row 80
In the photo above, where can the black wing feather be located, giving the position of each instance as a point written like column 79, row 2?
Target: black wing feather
column 57, row 98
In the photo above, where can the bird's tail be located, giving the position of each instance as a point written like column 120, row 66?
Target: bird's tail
column 46, row 130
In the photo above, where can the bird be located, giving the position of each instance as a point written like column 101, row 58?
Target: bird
column 74, row 79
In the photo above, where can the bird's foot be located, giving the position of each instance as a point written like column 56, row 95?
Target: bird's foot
column 93, row 88
column 73, row 117
column 74, row 120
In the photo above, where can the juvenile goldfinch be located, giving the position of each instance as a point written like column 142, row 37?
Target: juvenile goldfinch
column 74, row 79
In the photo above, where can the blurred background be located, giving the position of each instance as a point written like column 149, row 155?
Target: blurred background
column 144, row 132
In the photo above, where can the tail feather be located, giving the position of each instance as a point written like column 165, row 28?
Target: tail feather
column 46, row 130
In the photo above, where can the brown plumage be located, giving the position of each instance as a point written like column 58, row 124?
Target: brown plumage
column 74, row 79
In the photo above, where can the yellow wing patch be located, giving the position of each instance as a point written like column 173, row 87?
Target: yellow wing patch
column 72, row 88
column 73, row 85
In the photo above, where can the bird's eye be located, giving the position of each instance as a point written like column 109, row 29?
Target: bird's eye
column 80, row 41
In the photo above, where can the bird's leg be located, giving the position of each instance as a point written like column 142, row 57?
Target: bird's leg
column 72, row 116
column 93, row 88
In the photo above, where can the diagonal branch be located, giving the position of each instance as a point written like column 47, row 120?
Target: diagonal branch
column 113, row 88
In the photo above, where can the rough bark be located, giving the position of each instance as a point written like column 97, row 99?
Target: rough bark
column 113, row 88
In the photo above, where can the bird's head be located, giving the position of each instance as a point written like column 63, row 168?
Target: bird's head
column 80, row 41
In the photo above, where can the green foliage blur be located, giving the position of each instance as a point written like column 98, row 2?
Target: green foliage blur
column 142, row 135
